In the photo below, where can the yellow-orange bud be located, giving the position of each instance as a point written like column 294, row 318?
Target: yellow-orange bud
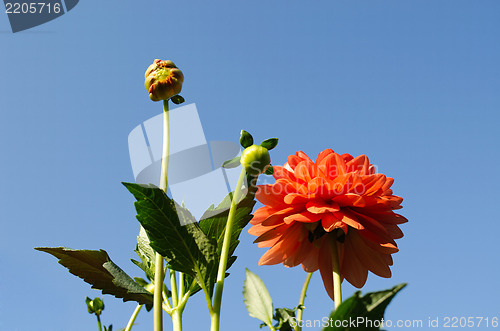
column 163, row 80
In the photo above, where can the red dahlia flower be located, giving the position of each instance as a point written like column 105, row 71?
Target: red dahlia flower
column 336, row 200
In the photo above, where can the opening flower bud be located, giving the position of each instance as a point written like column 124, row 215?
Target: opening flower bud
column 255, row 159
column 163, row 80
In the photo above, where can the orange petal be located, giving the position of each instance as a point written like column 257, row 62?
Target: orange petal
column 269, row 233
column 374, row 183
column 284, row 248
column 350, row 200
column 359, row 164
column 304, row 217
column 296, row 198
column 310, row 262
column 278, row 216
column 330, row 222
column 348, row 218
column 268, row 197
column 320, row 207
column 352, row 269
column 261, row 214
column 323, row 154
column 303, row 171
column 373, row 260
column 325, row 267
column 379, row 244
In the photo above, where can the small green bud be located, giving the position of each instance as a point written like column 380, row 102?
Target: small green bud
column 163, row 80
column 95, row 306
column 255, row 159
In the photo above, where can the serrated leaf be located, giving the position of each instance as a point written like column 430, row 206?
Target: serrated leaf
column 369, row 307
column 97, row 269
column 146, row 254
column 269, row 170
column 213, row 223
column 233, row 163
column 246, row 139
column 269, row 143
column 257, row 299
column 174, row 234
column 177, row 99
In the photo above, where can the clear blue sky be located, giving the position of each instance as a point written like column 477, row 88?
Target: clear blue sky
column 413, row 84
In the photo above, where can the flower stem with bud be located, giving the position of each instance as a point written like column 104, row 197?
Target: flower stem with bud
column 159, row 276
column 221, row 274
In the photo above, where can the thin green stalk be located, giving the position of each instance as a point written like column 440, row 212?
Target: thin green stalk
column 166, row 304
column 99, row 322
column 177, row 301
column 159, row 276
column 166, row 147
column 173, row 285
column 302, row 299
column 337, row 289
column 133, row 317
column 181, row 285
column 221, row 274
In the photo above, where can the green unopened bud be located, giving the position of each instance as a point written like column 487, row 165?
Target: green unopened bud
column 163, row 80
column 255, row 159
column 95, row 306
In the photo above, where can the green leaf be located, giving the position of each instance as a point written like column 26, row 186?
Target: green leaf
column 285, row 317
column 269, row 170
column 233, row 163
column 174, row 234
column 213, row 222
column 177, row 99
column 370, row 307
column 141, row 281
column 269, row 143
column 146, row 254
column 97, row 269
column 246, row 139
column 257, row 299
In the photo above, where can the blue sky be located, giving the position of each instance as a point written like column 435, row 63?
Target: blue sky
column 412, row 84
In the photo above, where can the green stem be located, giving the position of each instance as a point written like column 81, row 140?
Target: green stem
column 177, row 305
column 337, row 289
column 166, row 148
column 177, row 320
column 302, row 299
column 159, row 276
column 166, row 304
column 173, row 285
column 133, row 317
column 181, row 285
column 157, row 295
column 99, row 322
column 221, row 274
